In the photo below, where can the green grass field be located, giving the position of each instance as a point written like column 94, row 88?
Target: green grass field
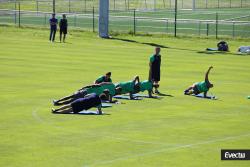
column 179, row 131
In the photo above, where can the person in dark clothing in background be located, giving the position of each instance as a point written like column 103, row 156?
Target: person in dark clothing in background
column 53, row 27
column 63, row 27
column 155, row 68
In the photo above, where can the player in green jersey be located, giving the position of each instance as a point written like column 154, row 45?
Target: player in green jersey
column 200, row 87
column 148, row 86
column 130, row 87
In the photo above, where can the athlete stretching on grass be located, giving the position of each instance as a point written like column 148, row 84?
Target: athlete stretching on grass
column 200, row 87
column 104, row 87
column 130, row 87
column 148, row 86
column 89, row 101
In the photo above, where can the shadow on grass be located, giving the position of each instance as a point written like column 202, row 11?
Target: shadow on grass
column 143, row 43
column 163, row 94
column 184, row 49
column 85, row 113
column 202, row 97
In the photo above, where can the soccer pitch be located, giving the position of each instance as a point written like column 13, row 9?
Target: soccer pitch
column 179, row 131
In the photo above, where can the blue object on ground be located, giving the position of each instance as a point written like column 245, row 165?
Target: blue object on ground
column 208, row 97
column 126, row 97
column 212, row 49
column 89, row 112
column 146, row 96
column 105, row 105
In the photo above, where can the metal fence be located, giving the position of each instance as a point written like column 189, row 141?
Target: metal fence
column 81, row 6
column 199, row 23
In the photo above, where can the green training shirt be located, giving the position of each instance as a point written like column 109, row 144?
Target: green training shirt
column 110, row 87
column 102, row 79
column 126, row 87
column 146, row 85
column 98, row 90
column 202, row 86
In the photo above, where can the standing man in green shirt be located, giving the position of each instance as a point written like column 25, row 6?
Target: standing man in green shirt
column 155, row 68
column 104, row 78
column 200, row 87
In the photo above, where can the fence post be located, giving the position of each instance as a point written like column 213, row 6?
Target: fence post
column 164, row 5
column 19, row 13
column 206, row 4
column 134, row 23
column 233, row 29
column 45, row 19
column 170, row 4
column 167, row 26
column 230, row 3
column 207, row 29
column 193, row 5
column 93, row 19
column 69, row 7
column 128, row 4
column 241, row 3
column 218, row 3
column 15, row 12
column 85, row 7
column 114, row 4
column 199, row 26
column 175, row 19
column 54, row 6
column 216, row 26
column 37, row 7
column 154, row 4
column 75, row 20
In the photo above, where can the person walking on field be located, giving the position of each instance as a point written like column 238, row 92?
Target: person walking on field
column 53, row 27
column 155, row 68
column 63, row 28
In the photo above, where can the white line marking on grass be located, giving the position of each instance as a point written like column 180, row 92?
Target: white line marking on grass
column 168, row 149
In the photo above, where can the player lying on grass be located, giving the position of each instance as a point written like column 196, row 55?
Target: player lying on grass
column 78, row 94
column 130, row 87
column 104, row 87
column 99, row 88
column 89, row 101
column 200, row 87
column 104, row 78
column 148, row 86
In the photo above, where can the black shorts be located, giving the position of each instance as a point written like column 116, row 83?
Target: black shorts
column 86, row 103
column 63, row 30
column 196, row 90
column 80, row 94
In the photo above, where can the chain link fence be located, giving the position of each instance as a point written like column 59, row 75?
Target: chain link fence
column 82, row 6
column 207, row 22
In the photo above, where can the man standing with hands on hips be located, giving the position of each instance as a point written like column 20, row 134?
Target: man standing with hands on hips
column 155, row 68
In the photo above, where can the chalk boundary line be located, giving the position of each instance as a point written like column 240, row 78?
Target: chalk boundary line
column 166, row 149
